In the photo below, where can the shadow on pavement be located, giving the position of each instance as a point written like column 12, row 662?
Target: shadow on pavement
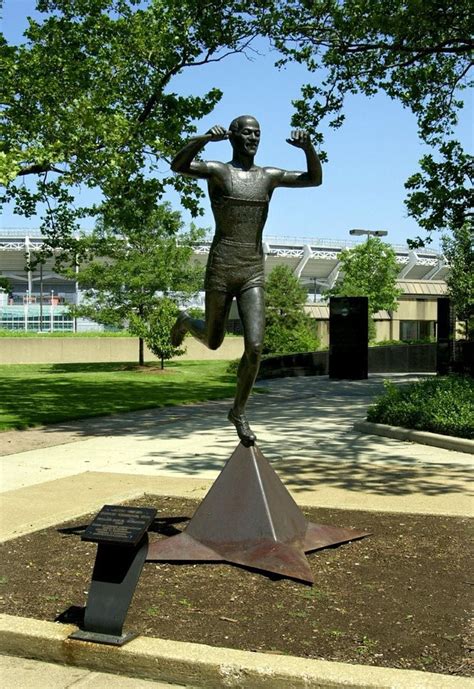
column 305, row 430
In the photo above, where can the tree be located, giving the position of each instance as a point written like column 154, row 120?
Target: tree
column 441, row 198
column 5, row 283
column 288, row 327
column 108, row 119
column 369, row 270
column 156, row 329
column 418, row 52
column 442, row 195
column 126, row 273
column 88, row 101
column 459, row 252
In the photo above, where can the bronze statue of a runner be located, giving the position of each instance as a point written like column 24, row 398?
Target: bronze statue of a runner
column 240, row 193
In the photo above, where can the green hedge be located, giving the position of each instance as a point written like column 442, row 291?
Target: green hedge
column 440, row 405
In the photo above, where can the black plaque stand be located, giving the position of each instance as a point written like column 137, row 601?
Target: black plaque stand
column 249, row 518
column 114, row 579
column 121, row 553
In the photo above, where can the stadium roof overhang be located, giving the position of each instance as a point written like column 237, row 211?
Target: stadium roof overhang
column 314, row 261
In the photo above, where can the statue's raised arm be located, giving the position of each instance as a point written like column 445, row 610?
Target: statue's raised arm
column 184, row 161
column 312, row 177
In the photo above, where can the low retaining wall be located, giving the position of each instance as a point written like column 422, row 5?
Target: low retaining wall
column 409, row 358
column 286, row 365
column 79, row 350
column 391, row 359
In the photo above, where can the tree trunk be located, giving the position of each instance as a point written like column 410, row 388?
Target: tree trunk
column 141, row 352
column 162, row 363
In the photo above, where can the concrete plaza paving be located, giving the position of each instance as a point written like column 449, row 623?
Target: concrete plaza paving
column 304, row 428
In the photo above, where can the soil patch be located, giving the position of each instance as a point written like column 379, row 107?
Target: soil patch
column 399, row 598
column 148, row 368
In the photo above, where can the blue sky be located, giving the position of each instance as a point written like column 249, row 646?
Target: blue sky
column 370, row 157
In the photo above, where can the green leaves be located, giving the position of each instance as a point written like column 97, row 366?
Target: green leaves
column 88, row 100
column 156, row 329
column 440, row 405
column 288, row 327
column 369, row 270
column 134, row 260
column 459, row 252
column 442, row 195
column 418, row 52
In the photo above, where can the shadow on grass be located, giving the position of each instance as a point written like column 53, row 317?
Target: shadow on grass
column 52, row 394
column 108, row 367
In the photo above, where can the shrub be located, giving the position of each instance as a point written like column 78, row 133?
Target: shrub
column 289, row 329
column 233, row 366
column 156, row 330
column 440, row 405
column 390, row 343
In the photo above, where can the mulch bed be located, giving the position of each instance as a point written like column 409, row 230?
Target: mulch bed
column 399, row 598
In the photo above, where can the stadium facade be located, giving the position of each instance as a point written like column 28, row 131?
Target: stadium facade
column 40, row 299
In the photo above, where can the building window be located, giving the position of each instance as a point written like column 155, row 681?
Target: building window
column 417, row 330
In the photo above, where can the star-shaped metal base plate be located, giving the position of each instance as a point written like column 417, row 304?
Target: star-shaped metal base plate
column 249, row 518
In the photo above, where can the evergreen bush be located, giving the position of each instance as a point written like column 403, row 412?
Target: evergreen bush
column 440, row 405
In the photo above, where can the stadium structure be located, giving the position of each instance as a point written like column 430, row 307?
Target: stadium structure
column 39, row 299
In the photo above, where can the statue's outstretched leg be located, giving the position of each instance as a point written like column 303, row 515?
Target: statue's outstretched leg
column 210, row 331
column 179, row 329
column 251, row 305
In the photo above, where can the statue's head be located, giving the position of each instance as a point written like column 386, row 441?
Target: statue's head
column 244, row 135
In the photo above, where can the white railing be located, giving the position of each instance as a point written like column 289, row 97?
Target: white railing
column 20, row 232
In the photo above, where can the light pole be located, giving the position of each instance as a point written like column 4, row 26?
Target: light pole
column 369, row 233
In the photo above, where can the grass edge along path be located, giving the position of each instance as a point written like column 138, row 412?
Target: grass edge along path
column 41, row 394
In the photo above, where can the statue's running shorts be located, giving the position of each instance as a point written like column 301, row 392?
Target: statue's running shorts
column 234, row 267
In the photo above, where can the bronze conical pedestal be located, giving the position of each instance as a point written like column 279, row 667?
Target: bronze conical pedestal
column 249, row 518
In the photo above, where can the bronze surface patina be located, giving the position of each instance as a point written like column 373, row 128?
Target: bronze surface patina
column 240, row 193
column 248, row 516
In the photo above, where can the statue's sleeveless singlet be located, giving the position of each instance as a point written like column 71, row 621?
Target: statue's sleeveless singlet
column 235, row 261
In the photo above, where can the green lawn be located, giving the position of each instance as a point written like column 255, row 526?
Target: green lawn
column 35, row 394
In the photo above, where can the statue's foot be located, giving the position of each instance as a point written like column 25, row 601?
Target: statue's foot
column 178, row 331
column 245, row 433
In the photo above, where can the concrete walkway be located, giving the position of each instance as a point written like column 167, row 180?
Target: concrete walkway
column 24, row 673
column 304, row 427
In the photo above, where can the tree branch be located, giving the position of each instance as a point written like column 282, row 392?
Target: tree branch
column 466, row 47
column 38, row 169
column 153, row 100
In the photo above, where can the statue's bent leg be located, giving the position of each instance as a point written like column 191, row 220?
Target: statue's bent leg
column 210, row 331
column 251, row 305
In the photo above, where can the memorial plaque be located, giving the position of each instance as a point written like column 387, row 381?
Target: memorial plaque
column 120, row 524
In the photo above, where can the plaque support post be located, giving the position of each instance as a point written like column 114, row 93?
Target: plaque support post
column 115, row 576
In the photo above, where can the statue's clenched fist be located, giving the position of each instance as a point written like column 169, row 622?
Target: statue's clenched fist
column 299, row 138
column 217, row 133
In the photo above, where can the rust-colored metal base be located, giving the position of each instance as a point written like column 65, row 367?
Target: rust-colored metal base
column 249, row 518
